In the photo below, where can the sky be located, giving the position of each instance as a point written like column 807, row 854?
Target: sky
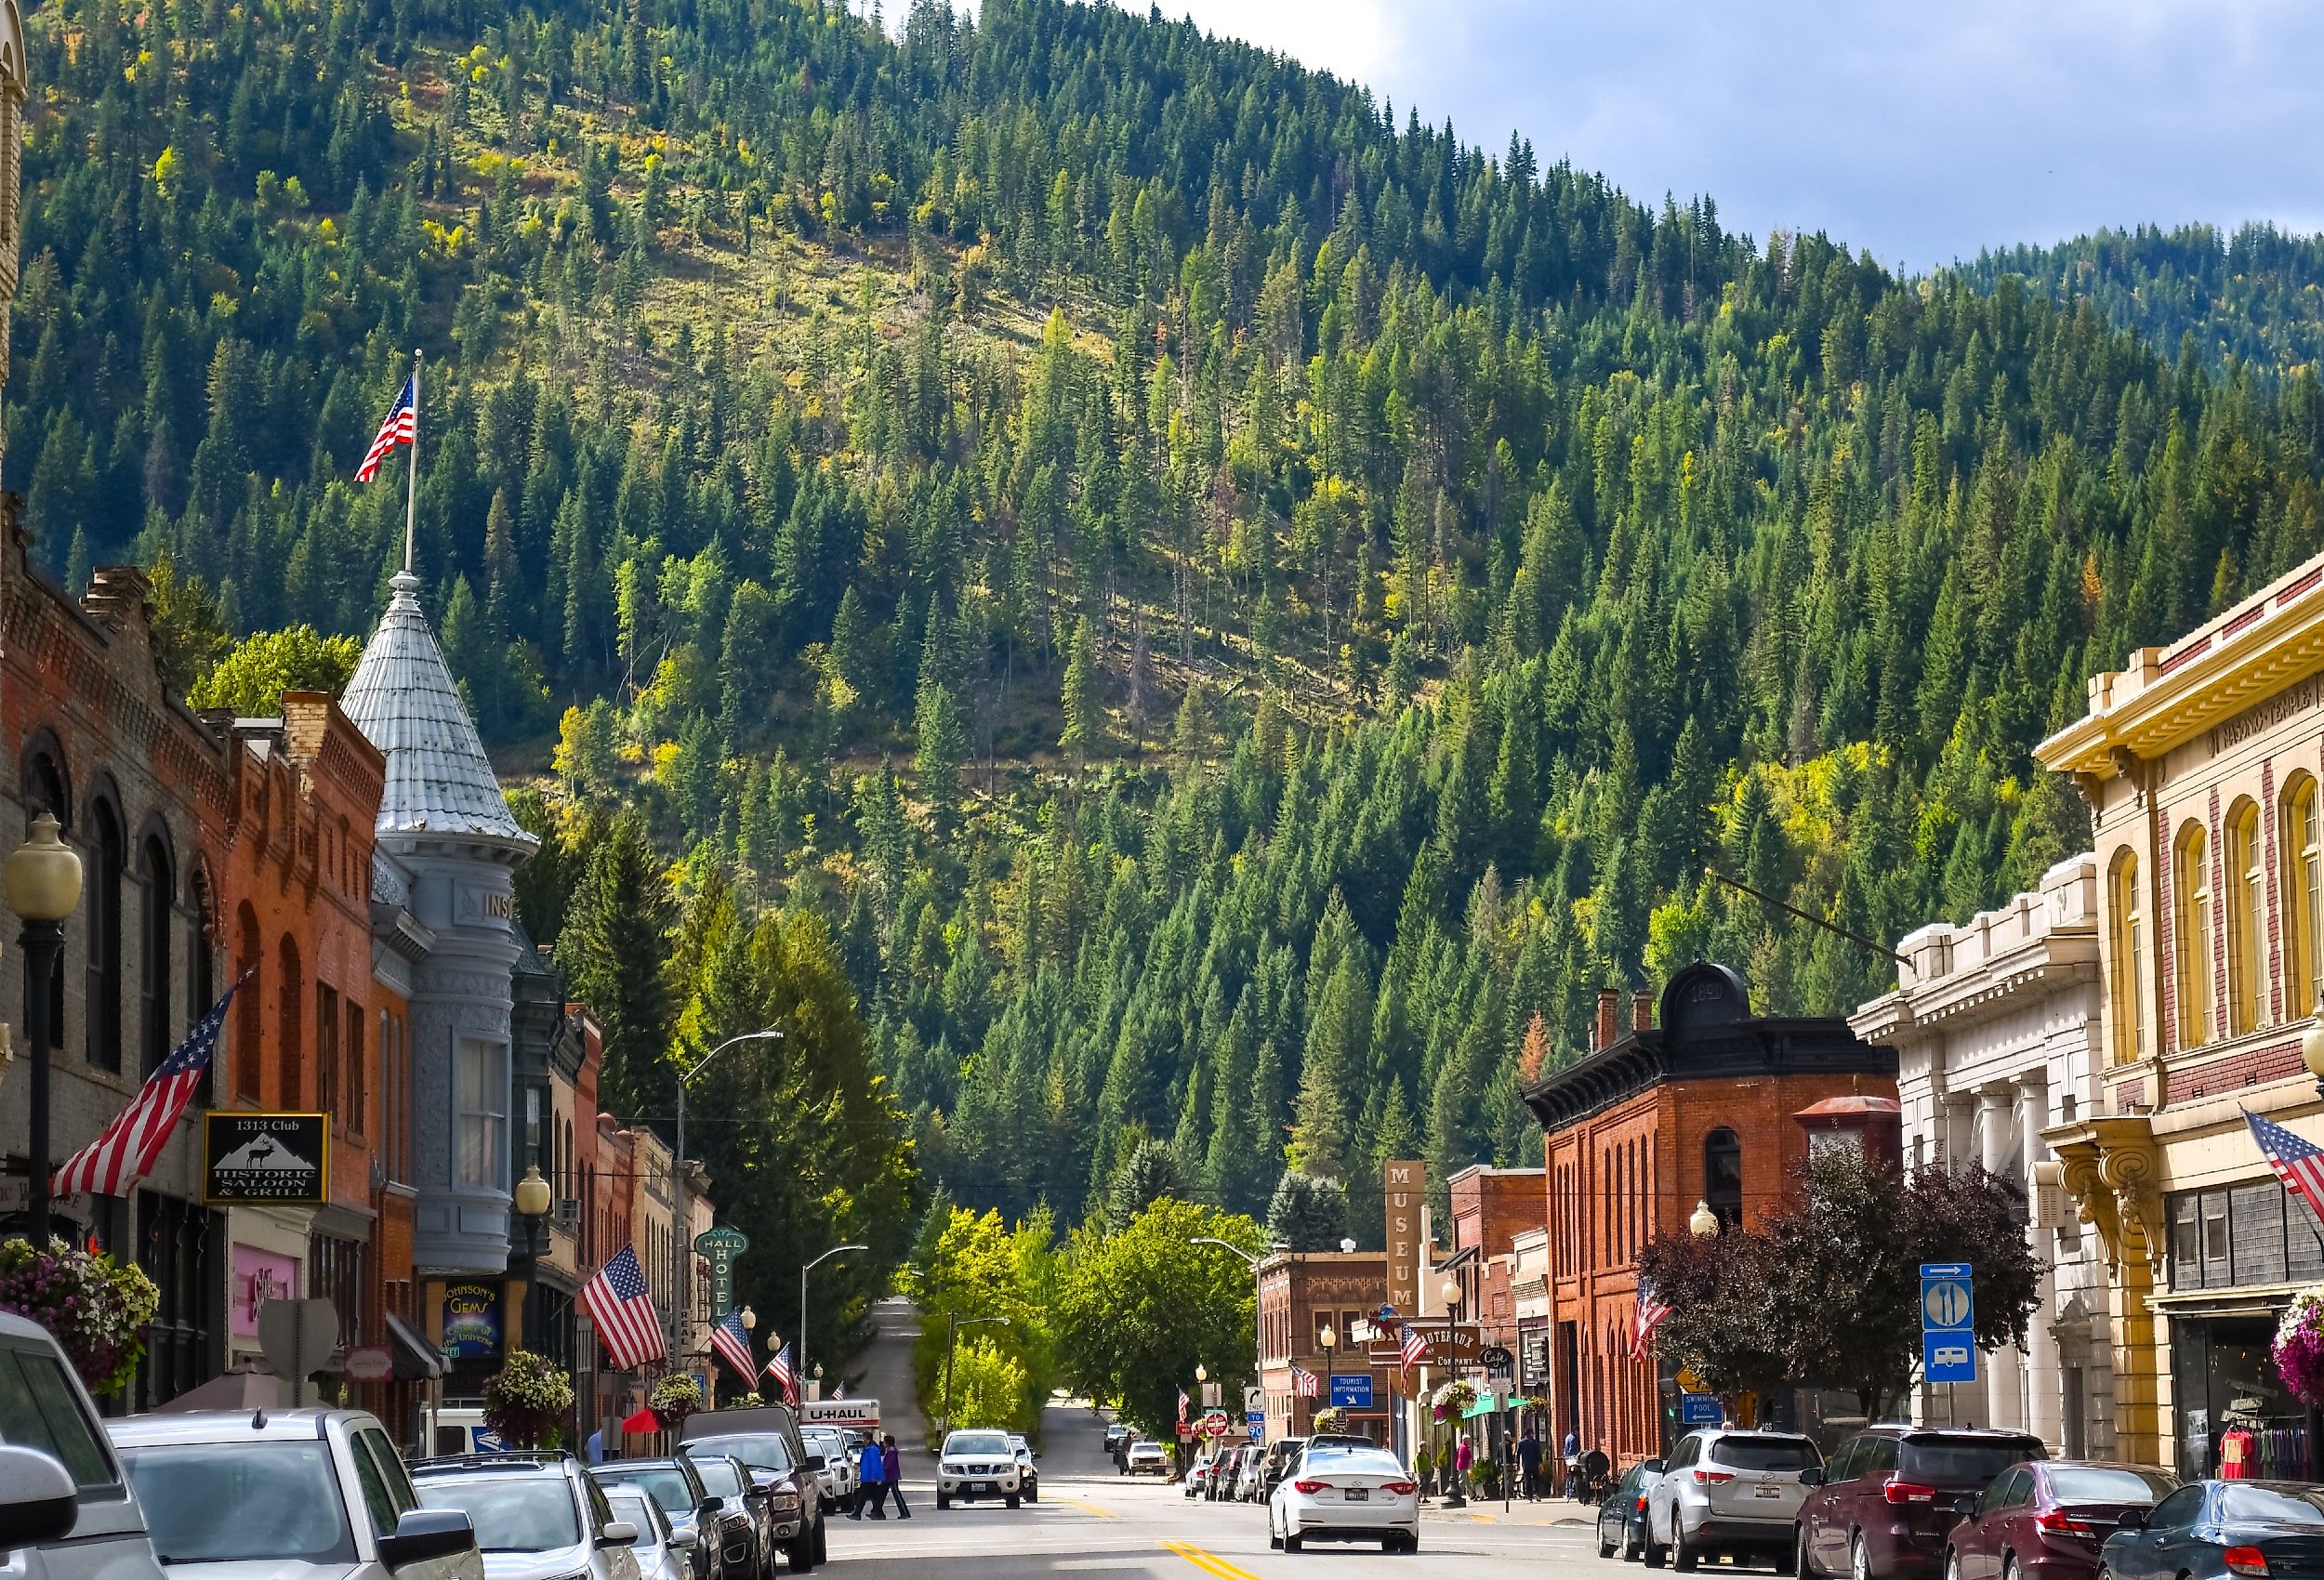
column 1923, row 132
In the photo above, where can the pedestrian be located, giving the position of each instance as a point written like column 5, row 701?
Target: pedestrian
column 872, row 1470
column 1573, row 1465
column 1464, row 1456
column 596, row 1446
column 891, row 1465
column 1529, row 1464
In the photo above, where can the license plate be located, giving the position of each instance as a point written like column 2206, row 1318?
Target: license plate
column 980, row 1486
column 1359, row 1495
column 1768, row 1489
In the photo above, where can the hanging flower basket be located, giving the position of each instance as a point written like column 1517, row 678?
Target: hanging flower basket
column 1331, row 1419
column 528, row 1400
column 676, row 1397
column 1453, row 1400
column 97, row 1308
column 2299, row 1350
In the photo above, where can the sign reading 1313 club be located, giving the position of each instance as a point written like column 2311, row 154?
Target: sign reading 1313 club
column 281, row 1159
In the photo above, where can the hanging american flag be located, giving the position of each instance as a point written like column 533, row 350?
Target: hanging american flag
column 732, row 1340
column 1306, row 1384
column 402, row 427
column 779, row 1369
column 1652, row 1308
column 621, row 1308
column 2300, row 1164
column 839, row 1390
column 111, row 1164
column 1182, row 1402
column 1413, row 1350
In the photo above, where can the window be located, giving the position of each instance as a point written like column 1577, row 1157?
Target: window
column 483, row 1087
column 2247, row 904
column 2304, row 897
column 40, row 1408
column 358, row 1083
column 109, row 855
column 155, row 885
column 238, row 1502
column 247, row 1005
column 1723, row 1176
column 327, row 1050
column 290, row 1000
column 2179, row 1509
column 2191, row 876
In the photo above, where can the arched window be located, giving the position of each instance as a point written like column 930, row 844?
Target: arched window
column 158, row 884
column 290, row 1014
column 2191, row 876
column 2303, row 896
column 2247, row 904
column 1723, row 1176
column 109, row 861
column 249, row 1007
column 2125, row 911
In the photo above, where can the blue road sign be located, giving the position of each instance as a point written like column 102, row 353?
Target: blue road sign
column 1699, row 1410
column 1256, row 1425
column 1351, row 1391
column 1948, row 1310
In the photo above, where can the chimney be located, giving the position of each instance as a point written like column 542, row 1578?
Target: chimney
column 1609, row 1003
column 1642, row 1011
column 117, row 595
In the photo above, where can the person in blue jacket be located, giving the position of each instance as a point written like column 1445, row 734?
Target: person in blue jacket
column 872, row 1470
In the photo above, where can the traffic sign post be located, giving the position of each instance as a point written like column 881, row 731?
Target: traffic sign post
column 1949, row 1312
column 1699, row 1410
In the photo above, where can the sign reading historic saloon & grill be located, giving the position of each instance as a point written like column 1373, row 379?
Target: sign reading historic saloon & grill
column 1407, row 1183
column 266, row 1159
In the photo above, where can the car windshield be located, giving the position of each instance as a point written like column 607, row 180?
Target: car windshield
column 227, row 1501
column 975, row 1443
column 511, row 1514
column 668, row 1486
column 763, row 1451
column 1765, row 1454
column 637, row 1509
column 2272, row 1505
column 2108, row 1483
column 1956, row 1462
column 719, row 1477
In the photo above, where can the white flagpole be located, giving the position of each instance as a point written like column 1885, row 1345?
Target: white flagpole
column 411, row 485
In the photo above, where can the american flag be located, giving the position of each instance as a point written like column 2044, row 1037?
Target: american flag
column 402, row 427
column 621, row 1308
column 1182, row 1402
column 784, row 1378
column 111, row 1164
column 732, row 1340
column 839, row 1390
column 1306, row 1384
column 2300, row 1164
column 1414, row 1350
column 1652, row 1308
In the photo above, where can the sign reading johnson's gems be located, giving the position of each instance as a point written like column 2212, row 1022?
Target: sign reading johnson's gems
column 266, row 1159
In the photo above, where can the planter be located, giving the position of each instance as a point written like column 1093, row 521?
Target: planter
column 2299, row 1349
column 528, row 1401
column 97, row 1308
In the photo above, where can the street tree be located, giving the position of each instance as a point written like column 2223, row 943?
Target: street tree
column 1308, row 1212
column 1137, row 1310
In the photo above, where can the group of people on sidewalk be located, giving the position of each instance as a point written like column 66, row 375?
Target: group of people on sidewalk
column 880, row 1469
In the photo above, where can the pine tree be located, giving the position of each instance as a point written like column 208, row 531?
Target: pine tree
column 1085, row 721
column 616, row 938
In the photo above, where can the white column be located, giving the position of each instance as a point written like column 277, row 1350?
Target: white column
column 2045, row 1383
column 1997, row 1141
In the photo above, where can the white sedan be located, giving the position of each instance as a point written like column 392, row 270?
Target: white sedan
column 1345, row 1494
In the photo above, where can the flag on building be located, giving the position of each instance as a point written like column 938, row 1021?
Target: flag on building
column 111, row 1164
column 732, row 1340
column 2300, row 1164
column 1182, row 1402
column 1306, row 1384
column 1413, row 1350
column 402, row 427
column 1651, row 1309
column 621, row 1308
column 779, row 1371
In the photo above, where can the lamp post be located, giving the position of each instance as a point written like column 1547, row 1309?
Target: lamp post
column 44, row 887
column 803, row 1272
column 532, row 1205
column 1450, row 1293
column 681, row 1233
column 1259, row 1354
column 953, row 1324
column 1702, row 1223
column 1329, row 1338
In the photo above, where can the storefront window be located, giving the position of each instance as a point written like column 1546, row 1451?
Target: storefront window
column 2242, row 1236
column 2191, row 877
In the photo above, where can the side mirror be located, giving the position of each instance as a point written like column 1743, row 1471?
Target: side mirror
column 425, row 1536
column 38, row 1501
column 617, row 1533
column 2132, row 1519
column 708, row 1510
column 1652, row 1466
column 1811, row 1476
column 681, row 1538
column 814, row 1462
column 1966, row 1505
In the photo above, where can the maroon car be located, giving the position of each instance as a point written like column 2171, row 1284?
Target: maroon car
column 2045, row 1520
column 1884, row 1503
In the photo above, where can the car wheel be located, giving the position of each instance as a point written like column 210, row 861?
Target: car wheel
column 1952, row 1564
column 1859, row 1561
column 1786, row 1560
column 822, row 1543
column 2009, row 1567
column 802, row 1555
column 1802, row 1561
column 1012, row 1500
column 1650, row 1553
column 1293, row 1541
column 1683, row 1558
column 943, row 1502
column 1605, row 1549
column 1632, row 1546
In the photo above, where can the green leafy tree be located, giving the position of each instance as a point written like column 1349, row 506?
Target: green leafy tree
column 251, row 679
column 1137, row 1310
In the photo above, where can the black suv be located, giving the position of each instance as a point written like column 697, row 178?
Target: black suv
column 1884, row 1502
column 780, row 1467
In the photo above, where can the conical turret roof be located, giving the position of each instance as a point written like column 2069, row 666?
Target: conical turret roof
column 402, row 699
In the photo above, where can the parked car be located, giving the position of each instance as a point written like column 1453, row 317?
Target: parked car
column 1891, row 1494
column 302, row 1492
column 66, row 1511
column 1282, row 1454
column 1117, row 1437
column 2045, row 1520
column 1622, row 1513
column 726, row 1479
column 779, row 1464
column 1146, row 1458
column 661, row 1552
column 1224, row 1468
column 1197, row 1474
column 1028, row 1473
column 1346, row 1495
column 691, row 1511
column 836, row 1483
column 976, row 1464
column 1729, row 1490
column 1249, row 1485
column 2221, row 1531
column 537, row 1516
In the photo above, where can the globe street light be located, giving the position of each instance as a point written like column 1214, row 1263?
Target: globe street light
column 44, row 886
column 532, row 1201
column 1702, row 1223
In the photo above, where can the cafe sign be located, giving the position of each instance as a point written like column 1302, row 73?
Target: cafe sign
column 266, row 1159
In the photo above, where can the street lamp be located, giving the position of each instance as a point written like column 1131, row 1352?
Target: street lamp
column 1702, row 1223
column 803, row 1272
column 1258, row 1351
column 44, row 887
column 2312, row 1053
column 953, row 1324
column 1451, row 1292
column 1202, row 1373
column 681, row 1236
column 531, row 1204
column 750, row 1320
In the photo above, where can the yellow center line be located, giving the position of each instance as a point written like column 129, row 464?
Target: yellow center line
column 1088, row 1508
column 1209, row 1563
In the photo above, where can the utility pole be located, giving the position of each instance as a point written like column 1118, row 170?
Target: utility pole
column 681, row 1215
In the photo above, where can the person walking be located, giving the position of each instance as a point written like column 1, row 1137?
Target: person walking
column 872, row 1471
column 1573, row 1465
column 1529, row 1464
column 1464, row 1456
column 892, row 1464
column 595, row 1447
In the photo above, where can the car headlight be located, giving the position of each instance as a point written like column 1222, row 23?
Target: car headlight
column 783, row 1503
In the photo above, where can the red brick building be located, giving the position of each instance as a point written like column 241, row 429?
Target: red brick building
column 1490, row 1208
column 1700, row 1109
column 1301, row 1294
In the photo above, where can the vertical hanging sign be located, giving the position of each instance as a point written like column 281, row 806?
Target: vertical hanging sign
column 1407, row 1185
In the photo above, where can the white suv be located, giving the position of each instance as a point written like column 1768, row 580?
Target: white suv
column 974, row 1465
column 1728, row 1490
column 66, row 1513
column 836, row 1479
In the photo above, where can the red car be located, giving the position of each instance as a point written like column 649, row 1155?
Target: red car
column 1883, row 1502
column 2046, row 1519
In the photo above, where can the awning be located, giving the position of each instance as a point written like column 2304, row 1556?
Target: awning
column 643, row 1421
column 414, row 1361
column 237, row 1392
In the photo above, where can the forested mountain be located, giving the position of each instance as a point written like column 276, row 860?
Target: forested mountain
column 2256, row 296
column 1239, row 611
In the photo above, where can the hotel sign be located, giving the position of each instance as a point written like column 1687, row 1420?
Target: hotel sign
column 1407, row 1184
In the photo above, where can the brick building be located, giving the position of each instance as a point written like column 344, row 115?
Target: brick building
column 1301, row 1295
column 1490, row 1208
column 1698, row 1109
